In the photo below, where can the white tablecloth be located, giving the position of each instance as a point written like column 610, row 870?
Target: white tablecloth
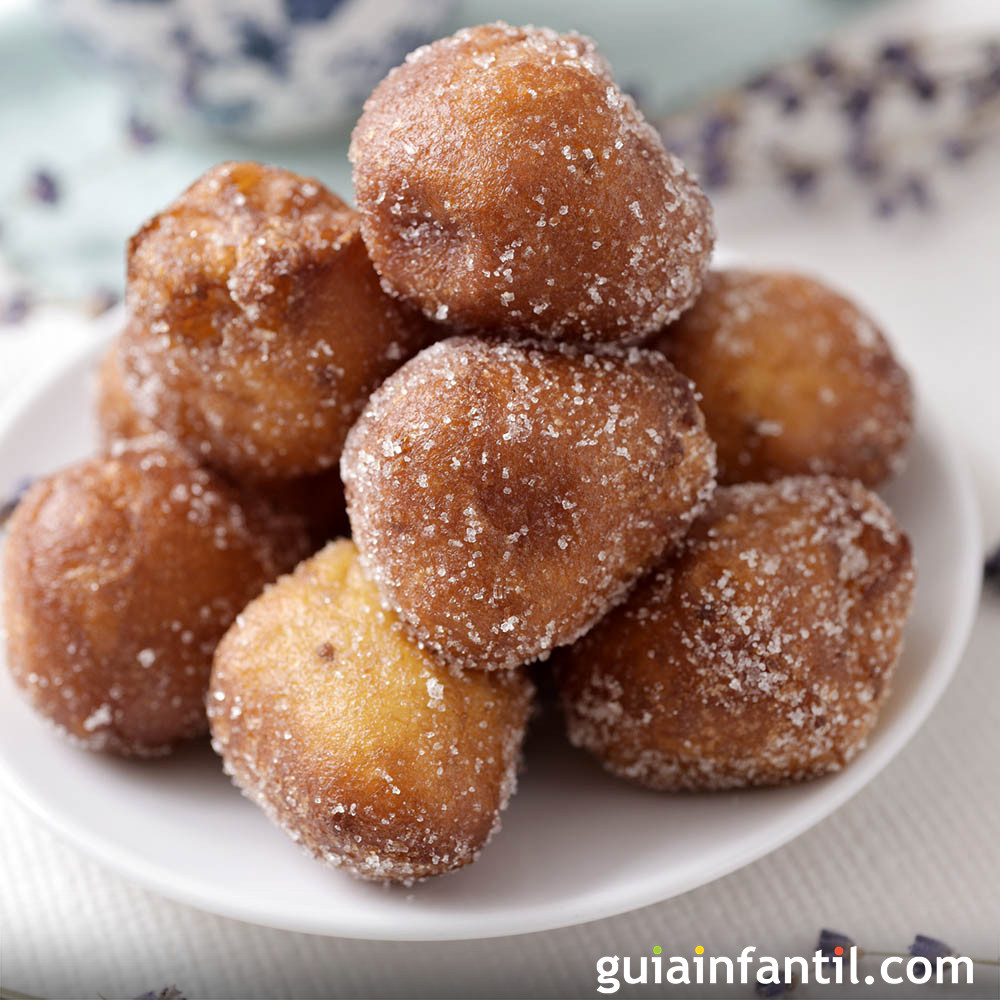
column 916, row 851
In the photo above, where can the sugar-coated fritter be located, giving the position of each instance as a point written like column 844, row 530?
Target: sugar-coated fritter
column 258, row 325
column 317, row 499
column 505, row 495
column 794, row 379
column 505, row 182
column 759, row 652
column 120, row 576
column 368, row 751
column 117, row 417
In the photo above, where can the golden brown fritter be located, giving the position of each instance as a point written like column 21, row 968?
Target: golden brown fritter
column 368, row 751
column 117, row 417
column 794, row 379
column 317, row 499
column 258, row 325
column 505, row 495
column 120, row 576
column 505, row 182
column 759, row 652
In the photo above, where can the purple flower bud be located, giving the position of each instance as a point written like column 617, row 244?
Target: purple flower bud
column 915, row 188
column 929, row 948
column 896, row 52
column 958, row 148
column 991, row 569
column 823, row 64
column 778, row 989
column 801, row 179
column 167, row 993
column 15, row 308
column 714, row 172
column 923, row 86
column 762, row 81
column 861, row 159
column 828, row 940
column 885, row 207
column 858, row 104
column 42, row 187
column 140, row 132
column 714, row 128
column 8, row 506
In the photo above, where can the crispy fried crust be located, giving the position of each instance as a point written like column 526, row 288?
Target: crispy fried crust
column 366, row 749
column 317, row 499
column 794, row 379
column 760, row 652
column 258, row 327
column 118, row 419
column 505, row 495
column 120, row 576
column 505, row 182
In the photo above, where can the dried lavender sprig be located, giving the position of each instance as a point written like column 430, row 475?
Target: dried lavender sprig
column 850, row 91
column 921, row 946
column 991, row 568
column 8, row 506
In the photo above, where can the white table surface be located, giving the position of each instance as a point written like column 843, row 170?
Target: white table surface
column 916, row 851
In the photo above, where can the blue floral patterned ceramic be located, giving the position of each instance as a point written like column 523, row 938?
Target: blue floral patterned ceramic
column 264, row 69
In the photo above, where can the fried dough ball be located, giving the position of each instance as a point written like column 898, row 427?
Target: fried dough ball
column 367, row 750
column 317, row 499
column 259, row 327
column 759, row 652
column 117, row 417
column 794, row 379
column 505, row 495
column 505, row 182
column 120, row 576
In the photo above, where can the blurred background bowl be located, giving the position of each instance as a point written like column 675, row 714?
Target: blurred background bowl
column 262, row 69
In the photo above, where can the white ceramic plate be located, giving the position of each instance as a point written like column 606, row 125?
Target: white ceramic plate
column 576, row 845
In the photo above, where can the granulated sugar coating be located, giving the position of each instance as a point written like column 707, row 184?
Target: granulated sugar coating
column 794, row 379
column 369, row 752
column 120, row 576
column 504, row 496
column 259, row 327
column 317, row 499
column 760, row 652
column 117, row 417
column 506, row 183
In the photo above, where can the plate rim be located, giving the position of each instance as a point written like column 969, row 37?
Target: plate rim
column 566, row 912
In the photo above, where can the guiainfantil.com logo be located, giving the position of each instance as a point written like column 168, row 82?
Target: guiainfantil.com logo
column 823, row 968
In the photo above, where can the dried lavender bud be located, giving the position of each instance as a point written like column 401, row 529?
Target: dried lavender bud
column 857, row 104
column 896, row 52
column 885, row 207
column 829, row 940
column 823, row 65
column 861, row 159
column 923, row 86
column 929, row 948
column 778, row 989
column 762, row 81
column 958, row 148
column 167, row 993
column 915, row 188
column 991, row 569
column 140, row 133
column 801, row 179
column 8, row 506
column 43, row 187
column 15, row 308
